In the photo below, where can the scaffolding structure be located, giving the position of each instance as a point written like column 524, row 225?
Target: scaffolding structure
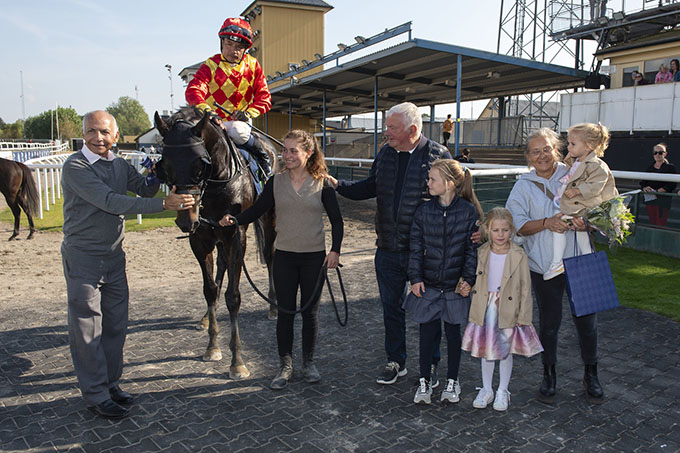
column 554, row 31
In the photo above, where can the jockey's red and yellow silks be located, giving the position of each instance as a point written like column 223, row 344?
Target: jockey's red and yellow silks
column 239, row 87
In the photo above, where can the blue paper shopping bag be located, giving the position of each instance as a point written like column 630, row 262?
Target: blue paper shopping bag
column 590, row 285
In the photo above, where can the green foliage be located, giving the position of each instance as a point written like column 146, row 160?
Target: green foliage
column 130, row 116
column 40, row 126
column 14, row 130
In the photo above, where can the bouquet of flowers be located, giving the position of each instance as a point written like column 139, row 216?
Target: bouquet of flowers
column 612, row 219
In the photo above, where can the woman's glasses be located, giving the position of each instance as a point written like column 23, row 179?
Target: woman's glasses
column 656, row 153
column 537, row 152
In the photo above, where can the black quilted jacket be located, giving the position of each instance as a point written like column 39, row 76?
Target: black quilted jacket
column 394, row 235
column 441, row 249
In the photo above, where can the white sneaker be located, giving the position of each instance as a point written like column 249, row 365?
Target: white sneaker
column 451, row 393
column 554, row 271
column 484, row 397
column 502, row 400
column 423, row 393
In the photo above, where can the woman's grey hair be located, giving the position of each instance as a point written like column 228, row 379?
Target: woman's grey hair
column 88, row 115
column 409, row 114
column 550, row 136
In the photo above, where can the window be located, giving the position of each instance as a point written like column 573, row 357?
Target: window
column 628, row 76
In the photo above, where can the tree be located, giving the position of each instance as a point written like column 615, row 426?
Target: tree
column 130, row 116
column 13, row 130
column 40, row 126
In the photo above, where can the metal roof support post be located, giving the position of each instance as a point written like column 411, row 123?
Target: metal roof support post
column 290, row 114
column 266, row 122
column 501, row 114
column 431, row 120
column 324, row 122
column 375, row 117
column 459, row 76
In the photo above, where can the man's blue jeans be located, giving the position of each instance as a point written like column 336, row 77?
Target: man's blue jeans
column 390, row 270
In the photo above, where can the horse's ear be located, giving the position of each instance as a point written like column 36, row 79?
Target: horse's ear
column 161, row 125
column 197, row 130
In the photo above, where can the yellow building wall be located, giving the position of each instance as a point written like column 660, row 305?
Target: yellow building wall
column 288, row 33
column 278, row 124
column 637, row 57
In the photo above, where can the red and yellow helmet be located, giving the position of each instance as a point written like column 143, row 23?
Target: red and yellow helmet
column 238, row 30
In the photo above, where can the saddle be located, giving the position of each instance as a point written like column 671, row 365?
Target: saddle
column 256, row 173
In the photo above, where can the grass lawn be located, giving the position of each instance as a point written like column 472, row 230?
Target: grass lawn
column 643, row 280
column 646, row 280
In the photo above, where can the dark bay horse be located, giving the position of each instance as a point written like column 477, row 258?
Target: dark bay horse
column 18, row 187
column 199, row 159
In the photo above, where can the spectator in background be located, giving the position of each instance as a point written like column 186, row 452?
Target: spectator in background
column 447, row 127
column 639, row 79
column 675, row 69
column 465, row 158
column 664, row 75
column 658, row 207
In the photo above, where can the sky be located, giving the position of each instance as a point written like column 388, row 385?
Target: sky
column 86, row 54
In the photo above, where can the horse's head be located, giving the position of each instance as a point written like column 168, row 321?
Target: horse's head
column 185, row 164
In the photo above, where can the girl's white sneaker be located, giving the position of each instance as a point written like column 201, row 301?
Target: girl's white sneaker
column 502, row 400
column 484, row 397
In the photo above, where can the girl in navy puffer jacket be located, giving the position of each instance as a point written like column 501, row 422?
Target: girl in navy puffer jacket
column 442, row 256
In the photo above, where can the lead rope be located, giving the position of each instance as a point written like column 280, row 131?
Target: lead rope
column 317, row 287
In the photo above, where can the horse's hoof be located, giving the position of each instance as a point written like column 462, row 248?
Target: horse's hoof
column 212, row 355
column 12, row 237
column 202, row 325
column 238, row 372
column 272, row 315
column 30, row 236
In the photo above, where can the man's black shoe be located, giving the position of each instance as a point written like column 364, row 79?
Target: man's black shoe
column 119, row 396
column 109, row 409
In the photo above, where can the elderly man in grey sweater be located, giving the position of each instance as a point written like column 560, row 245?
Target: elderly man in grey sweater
column 95, row 185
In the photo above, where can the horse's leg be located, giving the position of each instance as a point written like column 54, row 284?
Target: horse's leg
column 204, row 256
column 17, row 215
column 238, row 369
column 29, row 217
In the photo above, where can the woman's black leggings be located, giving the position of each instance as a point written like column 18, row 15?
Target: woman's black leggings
column 430, row 333
column 293, row 270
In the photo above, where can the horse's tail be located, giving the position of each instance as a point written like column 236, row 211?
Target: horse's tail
column 29, row 191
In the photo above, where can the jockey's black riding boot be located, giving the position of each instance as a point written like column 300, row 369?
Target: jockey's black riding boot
column 592, row 385
column 546, row 393
column 285, row 373
column 254, row 145
column 309, row 370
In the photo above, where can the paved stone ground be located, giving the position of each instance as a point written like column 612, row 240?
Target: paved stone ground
column 185, row 404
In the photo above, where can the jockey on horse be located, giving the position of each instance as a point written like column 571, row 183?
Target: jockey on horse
column 235, row 80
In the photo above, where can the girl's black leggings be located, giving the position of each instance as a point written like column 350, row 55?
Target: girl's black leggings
column 293, row 270
column 430, row 333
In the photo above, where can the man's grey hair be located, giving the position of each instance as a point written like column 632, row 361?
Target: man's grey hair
column 89, row 115
column 409, row 114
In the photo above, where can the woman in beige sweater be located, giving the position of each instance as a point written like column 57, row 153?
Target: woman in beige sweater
column 299, row 197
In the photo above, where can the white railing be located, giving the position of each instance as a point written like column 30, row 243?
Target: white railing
column 25, row 151
column 508, row 170
column 47, row 171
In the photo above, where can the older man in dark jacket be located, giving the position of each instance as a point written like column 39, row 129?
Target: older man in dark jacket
column 398, row 181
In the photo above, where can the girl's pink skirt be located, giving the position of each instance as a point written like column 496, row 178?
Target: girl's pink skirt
column 491, row 343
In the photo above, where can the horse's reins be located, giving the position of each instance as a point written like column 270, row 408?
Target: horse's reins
column 251, row 126
column 317, row 288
